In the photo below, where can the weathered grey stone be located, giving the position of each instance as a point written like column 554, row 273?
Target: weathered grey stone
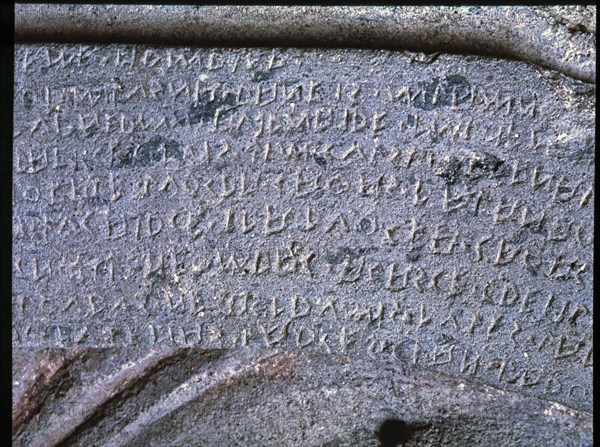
column 562, row 38
column 443, row 246
column 433, row 209
column 188, row 397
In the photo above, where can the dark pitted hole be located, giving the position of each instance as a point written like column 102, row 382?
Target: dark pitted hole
column 395, row 432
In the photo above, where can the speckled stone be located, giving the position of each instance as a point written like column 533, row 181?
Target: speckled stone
column 561, row 38
column 192, row 397
column 436, row 209
column 384, row 245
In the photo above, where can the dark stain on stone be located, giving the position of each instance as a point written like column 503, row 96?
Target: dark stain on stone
column 444, row 92
column 449, row 169
column 123, row 157
column 412, row 256
column 205, row 109
column 155, row 149
column 149, row 153
column 220, row 166
column 396, row 432
column 262, row 75
column 445, row 339
column 28, row 99
column 321, row 161
column 483, row 163
column 344, row 253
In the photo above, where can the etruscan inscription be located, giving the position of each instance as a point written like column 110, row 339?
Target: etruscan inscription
column 436, row 209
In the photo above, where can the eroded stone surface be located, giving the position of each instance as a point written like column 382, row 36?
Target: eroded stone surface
column 131, row 397
column 433, row 209
column 562, row 38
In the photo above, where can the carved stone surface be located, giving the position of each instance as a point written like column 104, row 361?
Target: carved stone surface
column 189, row 397
column 562, row 38
column 432, row 209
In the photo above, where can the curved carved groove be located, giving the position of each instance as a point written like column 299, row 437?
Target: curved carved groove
column 192, row 396
column 38, row 386
column 564, row 41
column 265, row 397
column 92, row 400
column 216, row 374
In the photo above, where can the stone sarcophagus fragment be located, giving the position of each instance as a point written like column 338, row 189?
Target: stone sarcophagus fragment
column 433, row 211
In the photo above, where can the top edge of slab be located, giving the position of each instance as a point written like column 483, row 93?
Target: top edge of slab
column 560, row 38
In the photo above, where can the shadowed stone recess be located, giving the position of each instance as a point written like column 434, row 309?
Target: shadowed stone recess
column 562, row 38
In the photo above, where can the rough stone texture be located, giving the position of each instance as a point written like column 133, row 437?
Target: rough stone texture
column 427, row 216
column 437, row 209
column 562, row 38
column 128, row 397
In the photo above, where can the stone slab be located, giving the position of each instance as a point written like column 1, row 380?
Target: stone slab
column 435, row 209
